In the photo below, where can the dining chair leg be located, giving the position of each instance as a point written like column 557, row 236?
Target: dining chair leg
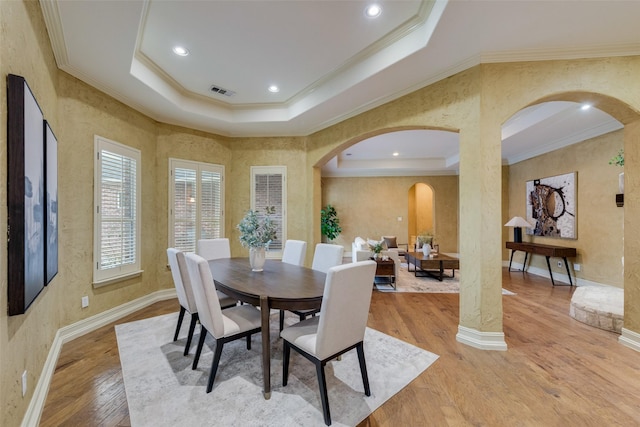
column 203, row 335
column 248, row 342
column 192, row 327
column 180, row 317
column 363, row 368
column 281, row 320
column 322, row 383
column 214, row 364
column 286, row 353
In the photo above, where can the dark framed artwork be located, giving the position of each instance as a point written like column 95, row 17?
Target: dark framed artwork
column 25, row 196
column 551, row 206
column 51, row 219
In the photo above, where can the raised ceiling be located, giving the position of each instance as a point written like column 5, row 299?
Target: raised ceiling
column 329, row 60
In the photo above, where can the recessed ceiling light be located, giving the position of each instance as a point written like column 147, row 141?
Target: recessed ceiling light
column 585, row 107
column 181, row 51
column 373, row 11
column 274, row 89
column 396, row 154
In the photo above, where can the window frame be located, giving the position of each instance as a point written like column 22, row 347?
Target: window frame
column 198, row 167
column 103, row 277
column 272, row 170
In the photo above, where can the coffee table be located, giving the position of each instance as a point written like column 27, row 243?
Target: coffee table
column 433, row 266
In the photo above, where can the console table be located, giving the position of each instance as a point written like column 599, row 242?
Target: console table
column 546, row 250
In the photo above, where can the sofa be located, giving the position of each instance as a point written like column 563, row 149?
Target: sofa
column 361, row 251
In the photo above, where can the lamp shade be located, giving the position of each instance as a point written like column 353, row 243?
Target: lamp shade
column 518, row 221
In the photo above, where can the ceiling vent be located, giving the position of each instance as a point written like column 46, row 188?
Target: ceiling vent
column 222, row 91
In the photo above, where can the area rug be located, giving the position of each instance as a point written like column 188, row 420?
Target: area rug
column 162, row 390
column 408, row 282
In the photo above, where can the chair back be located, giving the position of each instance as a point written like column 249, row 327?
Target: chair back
column 326, row 256
column 294, row 252
column 181, row 279
column 206, row 297
column 345, row 307
column 213, row 248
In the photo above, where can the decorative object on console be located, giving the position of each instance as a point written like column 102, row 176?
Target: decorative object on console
column 517, row 222
column 551, row 206
column 256, row 232
column 618, row 160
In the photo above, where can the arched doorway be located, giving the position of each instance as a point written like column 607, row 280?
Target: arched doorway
column 420, row 212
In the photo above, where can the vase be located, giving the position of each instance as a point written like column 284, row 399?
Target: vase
column 426, row 249
column 257, row 258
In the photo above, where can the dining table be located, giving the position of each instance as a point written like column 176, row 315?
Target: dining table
column 279, row 286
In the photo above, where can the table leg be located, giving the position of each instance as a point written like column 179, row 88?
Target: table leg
column 524, row 265
column 550, row 273
column 266, row 346
column 441, row 271
column 566, row 265
column 511, row 259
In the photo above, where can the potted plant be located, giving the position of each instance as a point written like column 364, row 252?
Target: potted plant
column 329, row 223
column 256, row 233
column 377, row 248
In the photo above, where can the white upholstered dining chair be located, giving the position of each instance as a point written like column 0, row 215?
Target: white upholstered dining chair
column 339, row 328
column 294, row 252
column 224, row 325
column 325, row 256
column 213, row 248
column 184, row 290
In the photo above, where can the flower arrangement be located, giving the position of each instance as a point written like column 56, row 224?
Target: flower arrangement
column 257, row 231
column 618, row 159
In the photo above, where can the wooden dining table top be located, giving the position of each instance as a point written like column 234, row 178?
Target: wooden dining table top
column 287, row 286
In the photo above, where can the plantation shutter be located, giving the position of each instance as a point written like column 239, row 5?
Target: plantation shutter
column 196, row 201
column 269, row 191
column 117, row 210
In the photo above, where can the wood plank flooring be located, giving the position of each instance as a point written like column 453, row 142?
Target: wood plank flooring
column 557, row 371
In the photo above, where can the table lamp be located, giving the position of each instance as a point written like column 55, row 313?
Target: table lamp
column 517, row 222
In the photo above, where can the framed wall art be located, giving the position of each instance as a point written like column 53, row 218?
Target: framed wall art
column 551, row 206
column 51, row 219
column 25, row 196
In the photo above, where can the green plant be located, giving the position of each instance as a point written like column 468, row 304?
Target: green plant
column 378, row 247
column 257, row 231
column 618, row 159
column 329, row 222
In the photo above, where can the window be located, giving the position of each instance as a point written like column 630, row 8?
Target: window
column 268, row 188
column 196, row 203
column 117, row 212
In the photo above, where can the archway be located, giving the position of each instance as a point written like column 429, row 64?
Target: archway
column 420, row 212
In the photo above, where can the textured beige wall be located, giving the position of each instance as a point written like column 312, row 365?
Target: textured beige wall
column 632, row 224
column 184, row 144
column 25, row 339
column 599, row 220
column 370, row 207
column 289, row 152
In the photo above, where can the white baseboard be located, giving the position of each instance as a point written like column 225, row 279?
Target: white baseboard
column 630, row 339
column 75, row 330
column 557, row 276
column 481, row 340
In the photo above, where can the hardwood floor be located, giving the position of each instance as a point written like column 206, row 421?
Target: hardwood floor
column 557, row 371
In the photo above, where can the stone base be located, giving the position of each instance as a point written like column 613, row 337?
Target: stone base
column 599, row 306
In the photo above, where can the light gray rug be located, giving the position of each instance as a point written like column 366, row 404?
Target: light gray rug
column 162, row 390
column 408, row 282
